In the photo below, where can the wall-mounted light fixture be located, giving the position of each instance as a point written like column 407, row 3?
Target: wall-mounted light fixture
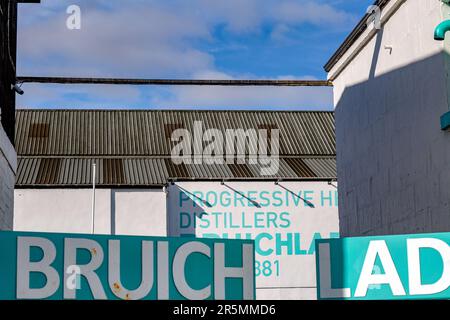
column 17, row 88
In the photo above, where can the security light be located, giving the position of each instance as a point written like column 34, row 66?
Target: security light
column 16, row 87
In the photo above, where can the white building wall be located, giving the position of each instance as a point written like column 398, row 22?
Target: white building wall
column 117, row 211
column 140, row 212
column 393, row 159
column 8, row 167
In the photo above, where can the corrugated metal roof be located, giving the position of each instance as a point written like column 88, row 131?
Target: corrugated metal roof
column 142, row 133
column 150, row 172
column 132, row 148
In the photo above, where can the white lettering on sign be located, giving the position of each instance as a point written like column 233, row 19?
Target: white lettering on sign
column 114, row 272
column 390, row 276
column 179, row 277
column 163, row 270
column 26, row 265
column 367, row 278
column 221, row 272
column 71, row 246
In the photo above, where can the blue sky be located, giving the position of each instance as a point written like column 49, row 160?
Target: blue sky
column 218, row 39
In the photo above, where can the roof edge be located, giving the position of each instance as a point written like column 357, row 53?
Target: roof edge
column 352, row 37
column 169, row 181
column 22, row 109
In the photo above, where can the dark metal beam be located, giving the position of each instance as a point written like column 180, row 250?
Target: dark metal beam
column 8, row 35
column 177, row 82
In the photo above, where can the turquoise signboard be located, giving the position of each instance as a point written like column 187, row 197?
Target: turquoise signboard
column 78, row 266
column 384, row 268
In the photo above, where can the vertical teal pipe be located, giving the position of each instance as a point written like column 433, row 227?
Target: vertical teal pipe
column 439, row 35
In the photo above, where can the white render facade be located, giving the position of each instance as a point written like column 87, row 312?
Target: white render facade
column 393, row 159
column 117, row 211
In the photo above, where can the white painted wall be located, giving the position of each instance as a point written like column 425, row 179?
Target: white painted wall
column 8, row 167
column 276, row 218
column 140, row 212
column 153, row 212
column 117, row 211
column 393, row 159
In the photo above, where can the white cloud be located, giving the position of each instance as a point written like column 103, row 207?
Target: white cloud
column 150, row 38
column 159, row 39
column 195, row 97
column 246, row 16
column 308, row 98
column 298, row 12
column 75, row 96
column 152, row 42
column 280, row 33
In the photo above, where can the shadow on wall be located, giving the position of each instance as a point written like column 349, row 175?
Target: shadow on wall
column 393, row 158
column 191, row 208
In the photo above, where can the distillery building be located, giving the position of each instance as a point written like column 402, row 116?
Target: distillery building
column 269, row 176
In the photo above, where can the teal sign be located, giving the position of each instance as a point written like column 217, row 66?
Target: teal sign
column 384, row 268
column 79, row 266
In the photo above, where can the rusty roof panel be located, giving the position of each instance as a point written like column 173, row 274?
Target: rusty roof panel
column 38, row 130
column 113, row 172
column 300, row 168
column 240, row 170
column 209, row 171
column 144, row 132
column 37, row 171
column 48, row 172
column 176, row 171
